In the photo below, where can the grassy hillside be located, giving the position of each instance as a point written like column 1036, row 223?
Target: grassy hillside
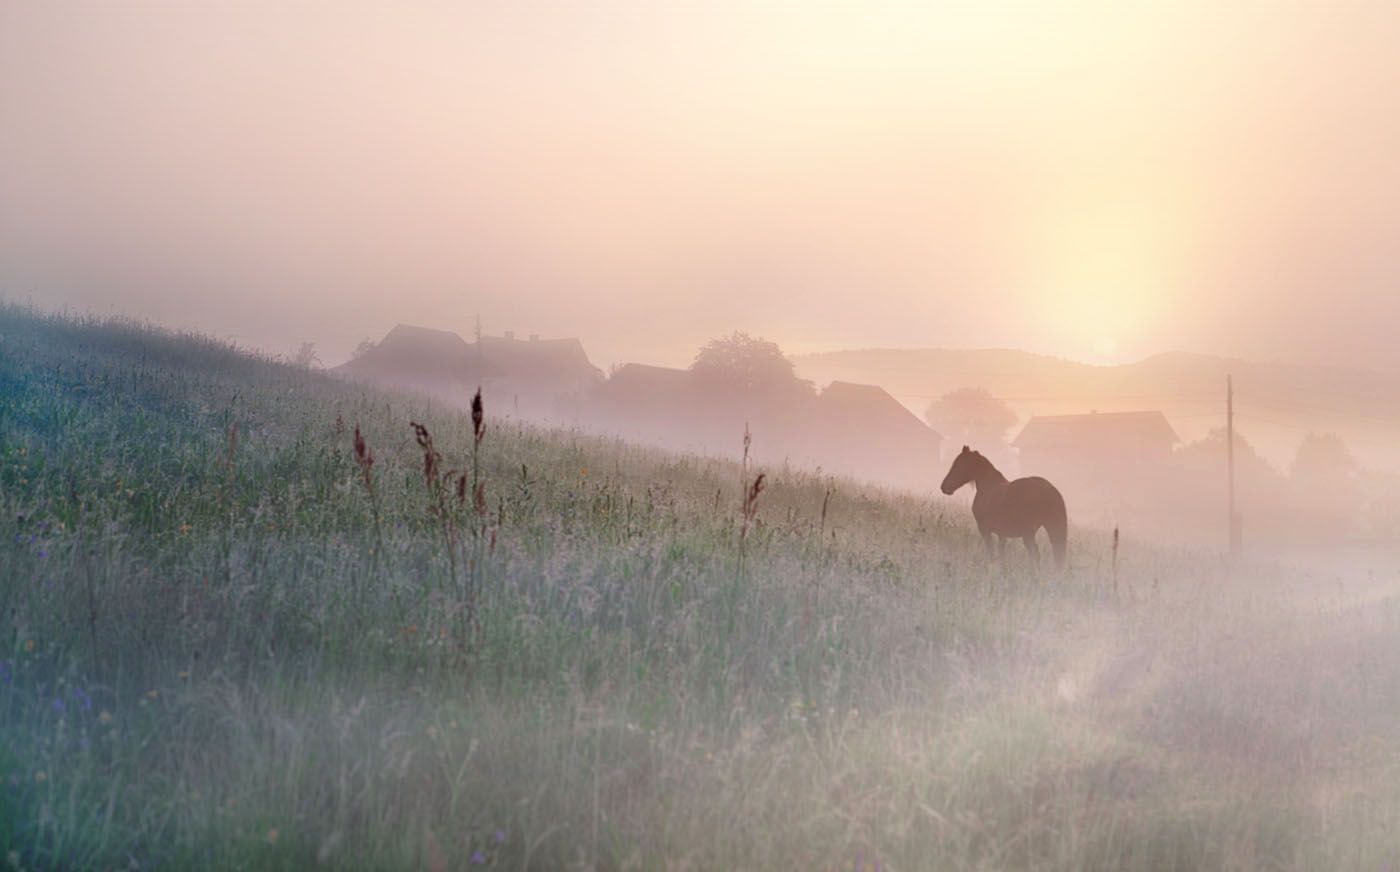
column 224, row 643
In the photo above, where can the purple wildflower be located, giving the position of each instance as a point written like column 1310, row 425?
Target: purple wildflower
column 58, row 704
column 478, row 858
column 500, row 837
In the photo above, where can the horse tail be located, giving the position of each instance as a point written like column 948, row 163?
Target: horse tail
column 1057, row 525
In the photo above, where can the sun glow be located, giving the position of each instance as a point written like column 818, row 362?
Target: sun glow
column 1106, row 269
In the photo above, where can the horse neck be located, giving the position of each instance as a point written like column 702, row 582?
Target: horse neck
column 988, row 476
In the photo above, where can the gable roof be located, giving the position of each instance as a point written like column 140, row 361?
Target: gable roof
column 1097, row 427
column 412, row 353
column 424, row 339
column 539, row 357
column 646, row 374
column 873, row 405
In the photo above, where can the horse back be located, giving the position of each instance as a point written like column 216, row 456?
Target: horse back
column 1032, row 502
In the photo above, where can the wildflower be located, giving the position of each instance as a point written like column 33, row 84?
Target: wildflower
column 185, row 528
column 58, row 704
column 500, row 837
column 105, row 717
column 28, row 646
column 152, row 693
column 40, row 777
column 272, row 836
column 478, row 858
column 184, row 675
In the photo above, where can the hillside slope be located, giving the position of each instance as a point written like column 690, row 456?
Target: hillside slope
column 231, row 644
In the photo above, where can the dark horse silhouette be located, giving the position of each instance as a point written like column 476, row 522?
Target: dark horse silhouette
column 1010, row 509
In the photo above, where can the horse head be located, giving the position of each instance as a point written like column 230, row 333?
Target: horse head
column 964, row 469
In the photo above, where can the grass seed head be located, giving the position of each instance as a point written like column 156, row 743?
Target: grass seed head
column 431, row 459
column 478, row 417
column 751, row 498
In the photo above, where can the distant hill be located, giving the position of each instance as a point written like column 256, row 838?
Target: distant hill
column 1276, row 403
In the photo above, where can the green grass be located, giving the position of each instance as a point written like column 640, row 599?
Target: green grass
column 213, row 656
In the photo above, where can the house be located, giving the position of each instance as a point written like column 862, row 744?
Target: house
column 425, row 359
column 534, row 378
column 861, row 430
column 539, row 378
column 1095, row 446
column 847, row 429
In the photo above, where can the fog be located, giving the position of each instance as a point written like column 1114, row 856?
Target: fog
column 701, row 435
column 1091, row 182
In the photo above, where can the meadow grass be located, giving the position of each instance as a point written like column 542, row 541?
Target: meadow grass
column 229, row 641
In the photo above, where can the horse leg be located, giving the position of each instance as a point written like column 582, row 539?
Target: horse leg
column 991, row 546
column 1001, row 548
column 1032, row 549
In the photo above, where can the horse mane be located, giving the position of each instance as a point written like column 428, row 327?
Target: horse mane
column 987, row 465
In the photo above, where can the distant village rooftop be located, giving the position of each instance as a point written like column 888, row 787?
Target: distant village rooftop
column 1141, row 428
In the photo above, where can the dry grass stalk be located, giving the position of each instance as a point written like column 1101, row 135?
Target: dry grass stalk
column 432, row 461
column 364, row 458
column 478, row 418
column 232, row 445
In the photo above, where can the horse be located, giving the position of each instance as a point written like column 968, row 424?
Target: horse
column 1010, row 509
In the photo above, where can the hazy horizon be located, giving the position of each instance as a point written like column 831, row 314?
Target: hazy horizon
column 1098, row 184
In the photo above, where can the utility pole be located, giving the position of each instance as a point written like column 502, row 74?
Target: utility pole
column 1233, row 517
column 479, row 362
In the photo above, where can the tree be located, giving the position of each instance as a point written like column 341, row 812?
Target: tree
column 1323, row 458
column 365, row 347
column 971, row 416
column 306, row 356
column 748, row 364
column 1325, row 482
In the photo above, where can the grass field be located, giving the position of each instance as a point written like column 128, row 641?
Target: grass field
column 225, row 642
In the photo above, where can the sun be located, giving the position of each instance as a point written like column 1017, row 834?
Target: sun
column 1103, row 273
column 1105, row 346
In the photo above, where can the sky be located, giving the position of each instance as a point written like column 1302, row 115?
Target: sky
column 1097, row 180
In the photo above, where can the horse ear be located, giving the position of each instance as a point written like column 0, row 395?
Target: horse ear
column 965, row 449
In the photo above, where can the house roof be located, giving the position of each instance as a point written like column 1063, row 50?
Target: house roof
column 1097, row 428
column 873, row 405
column 424, row 339
column 408, row 352
column 644, row 377
column 539, row 357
